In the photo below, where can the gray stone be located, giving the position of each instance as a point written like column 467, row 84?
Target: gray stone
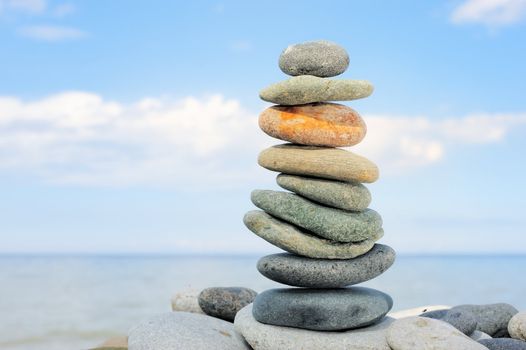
column 336, row 194
column 503, row 344
column 417, row 311
column 308, row 89
column 462, row 320
column 184, row 330
column 492, row 319
column 517, row 326
column 478, row 335
column 267, row 337
column 321, row 309
column 333, row 224
column 299, row 271
column 320, row 58
column 293, row 240
column 422, row 333
column 225, row 302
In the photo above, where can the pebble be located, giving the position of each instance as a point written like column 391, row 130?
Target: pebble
column 184, row 330
column 187, row 301
column 319, row 58
column 321, row 309
column 114, row 343
column 462, row 320
column 323, row 162
column 319, row 124
column 305, row 89
column 330, row 223
column 478, row 335
column 503, row 344
column 299, row 271
column 336, row 194
column 225, row 302
column 422, row 333
column 296, row 241
column 267, row 337
column 492, row 319
column 417, row 311
column 517, row 326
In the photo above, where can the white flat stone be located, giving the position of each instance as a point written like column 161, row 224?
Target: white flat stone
column 187, row 300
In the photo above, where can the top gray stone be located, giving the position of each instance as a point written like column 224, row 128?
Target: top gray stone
column 319, row 58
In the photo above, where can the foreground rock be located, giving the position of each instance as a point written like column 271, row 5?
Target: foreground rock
column 319, row 58
column 491, row 319
column 225, row 302
column 299, row 271
column 517, row 326
column 333, row 224
column 187, row 301
column 462, row 320
column 422, row 333
column 294, row 240
column 182, row 331
column 321, row 309
column 319, row 124
column 503, row 344
column 267, row 337
column 336, row 194
column 308, row 89
column 327, row 163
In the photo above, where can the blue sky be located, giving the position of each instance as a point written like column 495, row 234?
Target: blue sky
column 130, row 126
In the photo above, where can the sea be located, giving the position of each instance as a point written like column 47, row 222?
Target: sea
column 76, row 302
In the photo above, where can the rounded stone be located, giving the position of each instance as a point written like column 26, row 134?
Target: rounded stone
column 323, row 162
column 462, row 320
column 183, row 330
column 517, row 326
column 503, row 344
column 336, row 194
column 492, row 319
column 321, row 309
column 330, row 223
column 186, row 301
column 422, row 333
column 319, row 58
column 299, row 271
column 319, row 124
column 267, row 337
column 309, row 89
column 293, row 240
column 225, row 302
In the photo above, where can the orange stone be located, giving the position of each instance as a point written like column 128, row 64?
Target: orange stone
column 315, row 124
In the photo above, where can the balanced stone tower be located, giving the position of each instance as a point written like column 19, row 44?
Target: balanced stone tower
column 323, row 222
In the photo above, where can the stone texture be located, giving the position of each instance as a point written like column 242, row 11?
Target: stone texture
column 417, row 311
column 517, row 326
column 267, row 337
column 422, row 333
column 319, row 124
column 336, row 194
column 503, row 344
column 114, row 343
column 478, row 335
column 182, row 331
column 186, row 300
column 492, row 319
column 299, row 271
column 294, row 240
column 330, row 223
column 308, row 89
column 462, row 320
column 321, row 309
column 319, row 58
column 225, row 302
column 327, row 163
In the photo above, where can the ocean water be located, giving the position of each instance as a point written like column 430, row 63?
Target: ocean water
column 75, row 302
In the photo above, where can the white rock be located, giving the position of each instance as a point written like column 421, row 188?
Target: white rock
column 517, row 326
column 422, row 333
column 478, row 335
column 187, row 301
column 267, row 337
column 417, row 311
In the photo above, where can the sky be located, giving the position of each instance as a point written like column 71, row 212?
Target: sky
column 131, row 126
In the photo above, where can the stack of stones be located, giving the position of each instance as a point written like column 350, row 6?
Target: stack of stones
column 324, row 222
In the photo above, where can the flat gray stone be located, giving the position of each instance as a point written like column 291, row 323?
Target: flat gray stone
column 462, row 320
column 308, row 89
column 225, row 302
column 492, row 319
column 321, row 309
column 517, row 326
column 422, row 333
column 182, row 331
column 300, row 271
column 267, row 337
column 417, row 311
column 503, row 344
column 320, row 58
column 330, row 223
column 478, row 335
column 336, row 194
column 294, row 240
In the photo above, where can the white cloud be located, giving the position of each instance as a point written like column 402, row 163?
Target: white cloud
column 29, row 6
column 51, row 33
column 490, row 12
column 81, row 138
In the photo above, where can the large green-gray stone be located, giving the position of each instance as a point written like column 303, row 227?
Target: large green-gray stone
column 308, row 89
column 337, row 194
column 294, row 240
column 333, row 224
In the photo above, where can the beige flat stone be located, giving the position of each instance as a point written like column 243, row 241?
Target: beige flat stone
column 114, row 343
column 187, row 300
